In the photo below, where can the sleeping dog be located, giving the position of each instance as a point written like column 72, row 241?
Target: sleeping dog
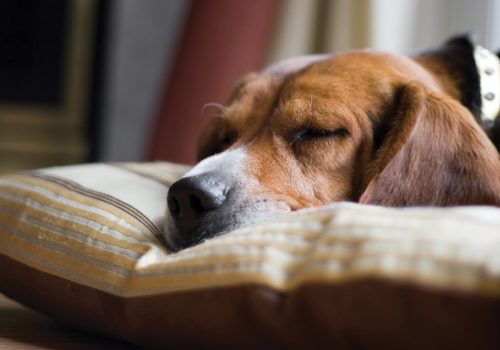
column 361, row 126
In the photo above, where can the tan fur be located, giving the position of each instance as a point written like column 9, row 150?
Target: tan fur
column 408, row 140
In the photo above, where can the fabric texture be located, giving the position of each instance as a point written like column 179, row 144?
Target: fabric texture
column 83, row 244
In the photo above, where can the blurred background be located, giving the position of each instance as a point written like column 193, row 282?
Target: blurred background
column 126, row 80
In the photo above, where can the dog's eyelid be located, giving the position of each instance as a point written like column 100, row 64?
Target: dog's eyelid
column 313, row 133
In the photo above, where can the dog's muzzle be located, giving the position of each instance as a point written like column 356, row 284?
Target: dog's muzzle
column 216, row 197
column 199, row 207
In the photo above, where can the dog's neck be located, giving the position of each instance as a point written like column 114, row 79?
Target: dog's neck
column 488, row 66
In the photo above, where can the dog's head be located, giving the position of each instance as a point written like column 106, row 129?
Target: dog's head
column 359, row 126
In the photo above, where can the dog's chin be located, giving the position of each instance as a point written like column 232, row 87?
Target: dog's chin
column 178, row 238
column 171, row 235
column 216, row 224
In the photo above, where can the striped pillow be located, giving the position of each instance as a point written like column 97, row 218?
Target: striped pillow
column 83, row 245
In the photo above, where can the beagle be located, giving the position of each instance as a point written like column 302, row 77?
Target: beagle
column 361, row 126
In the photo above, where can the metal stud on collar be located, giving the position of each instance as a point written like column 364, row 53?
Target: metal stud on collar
column 490, row 96
column 488, row 66
column 489, row 70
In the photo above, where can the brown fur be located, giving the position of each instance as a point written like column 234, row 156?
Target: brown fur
column 407, row 140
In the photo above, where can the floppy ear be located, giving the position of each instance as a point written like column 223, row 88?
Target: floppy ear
column 215, row 137
column 208, row 138
column 433, row 154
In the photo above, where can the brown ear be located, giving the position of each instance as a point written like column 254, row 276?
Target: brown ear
column 208, row 138
column 434, row 154
column 215, row 137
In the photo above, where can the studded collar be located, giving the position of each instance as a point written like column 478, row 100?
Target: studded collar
column 488, row 66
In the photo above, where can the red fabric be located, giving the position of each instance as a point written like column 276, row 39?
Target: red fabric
column 223, row 39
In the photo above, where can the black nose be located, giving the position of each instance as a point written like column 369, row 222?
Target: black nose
column 190, row 198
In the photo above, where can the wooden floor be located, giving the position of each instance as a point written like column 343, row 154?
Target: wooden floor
column 22, row 328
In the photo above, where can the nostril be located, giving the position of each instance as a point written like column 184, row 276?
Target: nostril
column 173, row 206
column 191, row 198
column 196, row 204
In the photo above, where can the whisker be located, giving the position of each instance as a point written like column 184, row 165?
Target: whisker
column 213, row 104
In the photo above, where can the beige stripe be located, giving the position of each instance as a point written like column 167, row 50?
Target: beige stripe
column 73, row 203
column 66, row 264
column 344, row 269
column 104, row 257
column 70, row 230
column 145, row 195
column 114, row 202
column 93, row 228
column 267, row 274
column 38, row 262
column 300, row 255
column 78, row 197
column 217, row 274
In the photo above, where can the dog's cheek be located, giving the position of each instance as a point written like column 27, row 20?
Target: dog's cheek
column 258, row 209
column 278, row 184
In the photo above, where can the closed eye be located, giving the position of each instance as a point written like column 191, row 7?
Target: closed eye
column 313, row 134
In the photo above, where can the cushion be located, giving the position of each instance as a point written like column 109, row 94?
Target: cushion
column 83, row 245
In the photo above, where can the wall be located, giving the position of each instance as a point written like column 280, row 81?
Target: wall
column 143, row 37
